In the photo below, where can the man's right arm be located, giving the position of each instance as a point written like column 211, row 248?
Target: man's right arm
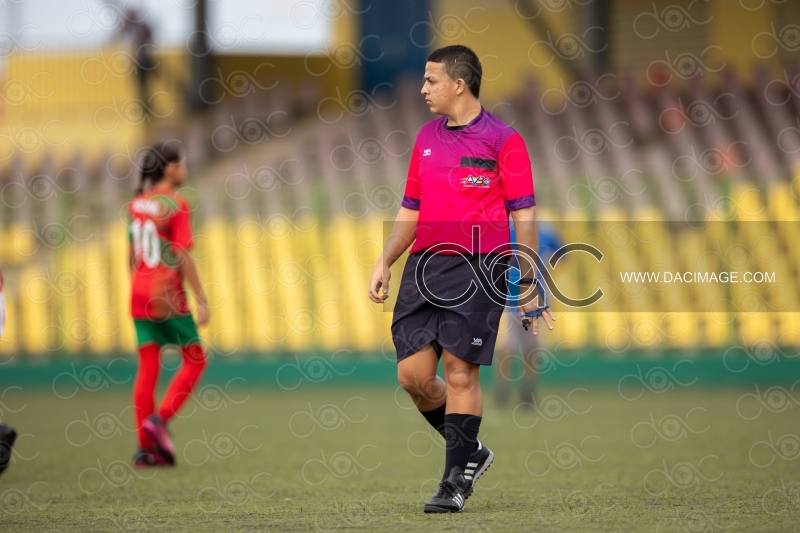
column 403, row 233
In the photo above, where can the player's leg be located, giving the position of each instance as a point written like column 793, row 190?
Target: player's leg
column 461, row 425
column 464, row 410
column 180, row 331
column 502, row 376
column 468, row 334
column 417, row 376
column 184, row 381
column 144, row 389
column 415, row 323
column 530, row 369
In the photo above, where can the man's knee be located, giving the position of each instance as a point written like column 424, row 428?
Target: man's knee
column 461, row 376
column 410, row 380
column 424, row 387
column 406, row 378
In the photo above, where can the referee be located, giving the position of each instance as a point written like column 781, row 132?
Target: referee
column 468, row 171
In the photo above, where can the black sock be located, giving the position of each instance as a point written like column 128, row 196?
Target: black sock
column 435, row 418
column 461, row 434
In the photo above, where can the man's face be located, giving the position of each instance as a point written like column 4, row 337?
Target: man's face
column 439, row 90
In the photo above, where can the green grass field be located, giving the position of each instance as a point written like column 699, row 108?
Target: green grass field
column 358, row 460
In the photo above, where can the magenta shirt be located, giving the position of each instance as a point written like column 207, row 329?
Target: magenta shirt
column 467, row 176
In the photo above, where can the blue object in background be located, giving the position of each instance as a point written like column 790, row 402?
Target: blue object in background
column 549, row 242
column 399, row 33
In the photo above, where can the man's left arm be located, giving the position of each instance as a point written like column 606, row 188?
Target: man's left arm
column 518, row 195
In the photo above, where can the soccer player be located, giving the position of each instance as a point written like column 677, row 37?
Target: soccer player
column 160, row 240
column 467, row 169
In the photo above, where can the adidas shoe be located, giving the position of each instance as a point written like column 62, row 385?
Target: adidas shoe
column 450, row 496
column 157, row 431
column 480, row 460
column 144, row 458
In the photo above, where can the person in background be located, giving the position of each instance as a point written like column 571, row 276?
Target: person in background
column 141, row 35
column 519, row 344
column 7, row 433
column 160, row 240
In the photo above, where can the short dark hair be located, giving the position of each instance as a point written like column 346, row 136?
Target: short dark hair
column 460, row 62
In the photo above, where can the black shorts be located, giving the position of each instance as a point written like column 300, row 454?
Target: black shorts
column 452, row 303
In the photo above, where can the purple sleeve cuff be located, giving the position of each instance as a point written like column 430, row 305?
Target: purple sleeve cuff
column 410, row 203
column 520, row 203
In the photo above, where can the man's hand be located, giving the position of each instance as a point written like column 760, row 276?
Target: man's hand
column 202, row 314
column 403, row 234
column 379, row 282
column 533, row 305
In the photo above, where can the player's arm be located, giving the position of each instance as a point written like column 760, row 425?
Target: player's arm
column 181, row 232
column 517, row 181
column 189, row 273
column 528, row 238
column 403, row 233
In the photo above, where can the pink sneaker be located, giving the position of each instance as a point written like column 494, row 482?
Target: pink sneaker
column 157, row 431
column 145, row 458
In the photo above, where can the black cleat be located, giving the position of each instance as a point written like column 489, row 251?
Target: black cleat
column 450, row 496
column 7, row 438
column 480, row 460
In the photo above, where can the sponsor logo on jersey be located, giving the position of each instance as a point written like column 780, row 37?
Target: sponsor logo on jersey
column 426, row 151
column 476, row 181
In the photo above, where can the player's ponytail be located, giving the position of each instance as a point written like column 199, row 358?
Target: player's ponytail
column 155, row 160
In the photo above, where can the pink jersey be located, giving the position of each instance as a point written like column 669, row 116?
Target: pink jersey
column 467, row 176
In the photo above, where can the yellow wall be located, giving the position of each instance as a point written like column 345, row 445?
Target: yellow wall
column 62, row 105
column 81, row 103
column 734, row 29
column 502, row 40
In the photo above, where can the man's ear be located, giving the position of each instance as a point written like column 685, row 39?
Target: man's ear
column 460, row 86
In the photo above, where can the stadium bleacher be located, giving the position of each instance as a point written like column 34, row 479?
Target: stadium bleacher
column 286, row 212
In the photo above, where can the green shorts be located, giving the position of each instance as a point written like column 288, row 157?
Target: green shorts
column 178, row 331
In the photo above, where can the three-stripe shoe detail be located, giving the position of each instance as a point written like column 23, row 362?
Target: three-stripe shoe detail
column 450, row 496
column 480, row 460
column 470, row 471
column 453, row 492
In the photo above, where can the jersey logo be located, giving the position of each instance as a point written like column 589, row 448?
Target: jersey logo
column 426, row 151
column 477, row 342
column 480, row 182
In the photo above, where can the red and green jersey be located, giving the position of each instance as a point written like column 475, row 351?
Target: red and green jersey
column 160, row 226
